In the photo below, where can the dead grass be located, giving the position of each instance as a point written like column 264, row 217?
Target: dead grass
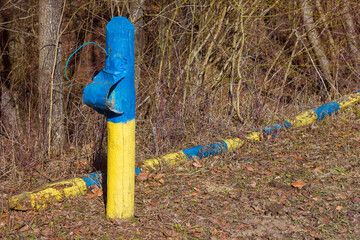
column 242, row 195
column 214, row 69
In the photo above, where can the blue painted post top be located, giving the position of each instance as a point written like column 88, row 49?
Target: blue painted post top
column 112, row 91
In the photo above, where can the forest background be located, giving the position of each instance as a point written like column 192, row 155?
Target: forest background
column 204, row 70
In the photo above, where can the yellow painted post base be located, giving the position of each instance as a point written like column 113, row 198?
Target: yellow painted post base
column 120, row 170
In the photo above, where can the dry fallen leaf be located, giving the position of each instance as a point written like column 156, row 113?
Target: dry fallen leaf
column 283, row 198
column 95, row 192
column 4, row 219
column 36, row 231
column 342, row 230
column 170, row 234
column 266, row 172
column 223, row 235
column 250, row 168
column 155, row 184
column 313, row 232
column 192, row 194
column 24, row 228
column 154, row 204
column 215, row 232
column 318, row 169
column 46, row 232
column 339, row 208
column 220, row 221
column 316, row 198
column 197, row 164
column 253, row 184
column 143, row 176
column 159, row 176
column 297, row 157
column 148, row 191
column 340, row 196
column 298, row 184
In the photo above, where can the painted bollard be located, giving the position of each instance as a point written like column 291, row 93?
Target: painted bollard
column 112, row 93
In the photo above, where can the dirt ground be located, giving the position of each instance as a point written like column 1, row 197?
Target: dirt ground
column 302, row 184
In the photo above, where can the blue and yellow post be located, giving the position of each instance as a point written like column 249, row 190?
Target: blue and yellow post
column 112, row 93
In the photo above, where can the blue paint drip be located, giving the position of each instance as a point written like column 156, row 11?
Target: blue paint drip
column 205, row 151
column 326, row 110
column 137, row 171
column 94, row 179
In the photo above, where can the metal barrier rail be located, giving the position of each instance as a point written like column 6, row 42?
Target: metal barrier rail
column 41, row 198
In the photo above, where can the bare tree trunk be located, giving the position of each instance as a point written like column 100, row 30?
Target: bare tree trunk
column 136, row 14
column 326, row 26
column 7, row 111
column 351, row 35
column 50, row 74
column 10, row 120
column 314, row 38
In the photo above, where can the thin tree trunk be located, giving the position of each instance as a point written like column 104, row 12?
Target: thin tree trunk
column 50, row 74
column 136, row 14
column 324, row 21
column 315, row 40
column 351, row 35
column 7, row 111
column 11, row 44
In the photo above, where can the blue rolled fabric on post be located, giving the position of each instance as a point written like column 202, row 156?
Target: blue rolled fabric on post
column 112, row 91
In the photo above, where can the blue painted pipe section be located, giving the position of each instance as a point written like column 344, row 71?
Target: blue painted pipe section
column 94, row 179
column 205, row 151
column 326, row 110
column 275, row 127
column 98, row 178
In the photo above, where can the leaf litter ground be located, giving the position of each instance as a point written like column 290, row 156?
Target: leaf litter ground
column 303, row 184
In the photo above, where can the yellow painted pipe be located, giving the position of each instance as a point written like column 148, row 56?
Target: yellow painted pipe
column 120, row 170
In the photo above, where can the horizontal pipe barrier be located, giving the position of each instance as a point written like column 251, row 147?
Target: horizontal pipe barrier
column 41, row 198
